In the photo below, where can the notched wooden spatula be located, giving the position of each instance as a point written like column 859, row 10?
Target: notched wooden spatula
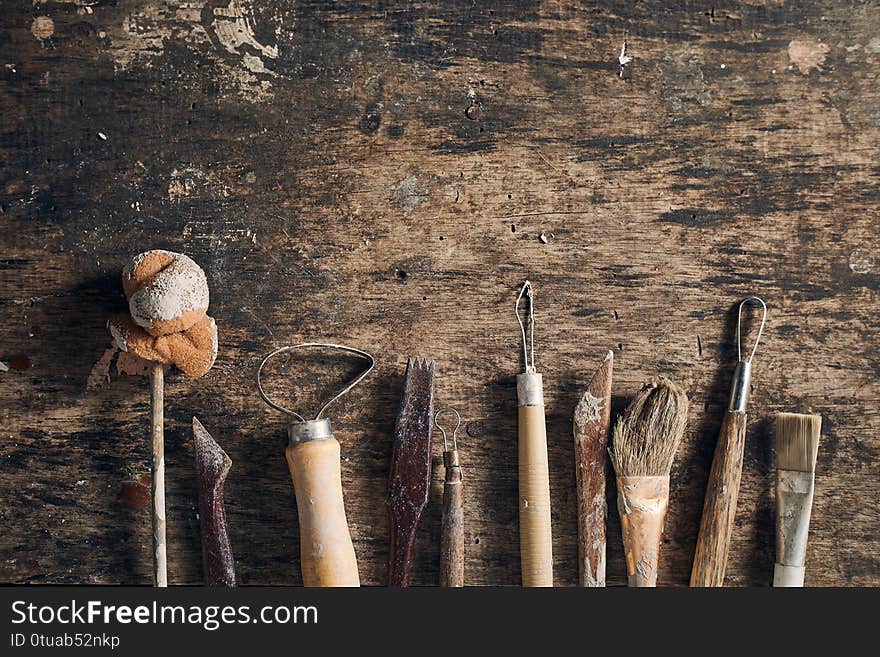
column 410, row 477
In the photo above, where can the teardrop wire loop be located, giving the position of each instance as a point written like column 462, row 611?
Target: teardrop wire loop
column 314, row 345
column 528, row 346
column 443, row 431
column 739, row 328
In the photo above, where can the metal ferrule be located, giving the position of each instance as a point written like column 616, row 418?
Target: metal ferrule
column 530, row 389
column 739, row 393
column 303, row 432
column 450, row 459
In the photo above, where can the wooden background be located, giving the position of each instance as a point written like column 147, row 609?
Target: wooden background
column 381, row 174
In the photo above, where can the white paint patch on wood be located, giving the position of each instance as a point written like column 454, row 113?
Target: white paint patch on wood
column 43, row 28
column 240, row 57
column 408, row 194
column 861, row 263
column 807, row 54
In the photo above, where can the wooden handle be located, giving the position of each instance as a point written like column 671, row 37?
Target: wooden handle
column 719, row 507
column 535, row 538
column 157, row 439
column 452, row 530
column 327, row 553
column 642, row 503
column 592, row 419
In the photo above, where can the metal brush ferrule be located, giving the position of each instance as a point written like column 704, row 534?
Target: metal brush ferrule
column 450, row 459
column 530, row 389
column 739, row 392
column 303, row 432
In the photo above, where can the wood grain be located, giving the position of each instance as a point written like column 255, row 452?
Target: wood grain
column 719, row 506
column 385, row 182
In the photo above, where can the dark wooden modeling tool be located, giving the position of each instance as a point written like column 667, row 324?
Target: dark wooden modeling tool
column 452, row 525
column 722, row 492
column 592, row 419
column 313, row 456
column 410, row 476
column 212, row 467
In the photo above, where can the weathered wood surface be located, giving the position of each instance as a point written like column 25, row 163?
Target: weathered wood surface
column 387, row 175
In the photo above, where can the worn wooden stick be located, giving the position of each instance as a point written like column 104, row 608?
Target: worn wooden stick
column 452, row 528
column 719, row 506
column 157, row 433
column 592, row 418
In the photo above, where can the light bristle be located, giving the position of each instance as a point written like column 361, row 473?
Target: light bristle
column 797, row 441
column 648, row 433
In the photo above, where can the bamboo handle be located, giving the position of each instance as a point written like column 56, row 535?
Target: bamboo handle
column 452, row 529
column 719, row 507
column 535, row 538
column 327, row 554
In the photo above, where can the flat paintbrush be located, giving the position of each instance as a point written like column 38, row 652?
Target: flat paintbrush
column 797, row 446
column 645, row 441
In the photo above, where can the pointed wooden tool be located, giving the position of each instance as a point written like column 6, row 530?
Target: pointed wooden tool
column 212, row 467
column 410, row 476
column 592, row 419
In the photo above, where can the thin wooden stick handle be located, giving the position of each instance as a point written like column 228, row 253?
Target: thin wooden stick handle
column 719, row 506
column 326, row 550
column 452, row 529
column 535, row 538
column 157, row 434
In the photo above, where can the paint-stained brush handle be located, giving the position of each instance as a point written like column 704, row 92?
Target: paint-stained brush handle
column 535, row 537
column 327, row 553
column 452, row 527
column 719, row 506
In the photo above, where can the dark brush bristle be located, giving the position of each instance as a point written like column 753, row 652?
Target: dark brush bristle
column 648, row 433
column 797, row 441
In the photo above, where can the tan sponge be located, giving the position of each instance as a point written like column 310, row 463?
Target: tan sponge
column 168, row 300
